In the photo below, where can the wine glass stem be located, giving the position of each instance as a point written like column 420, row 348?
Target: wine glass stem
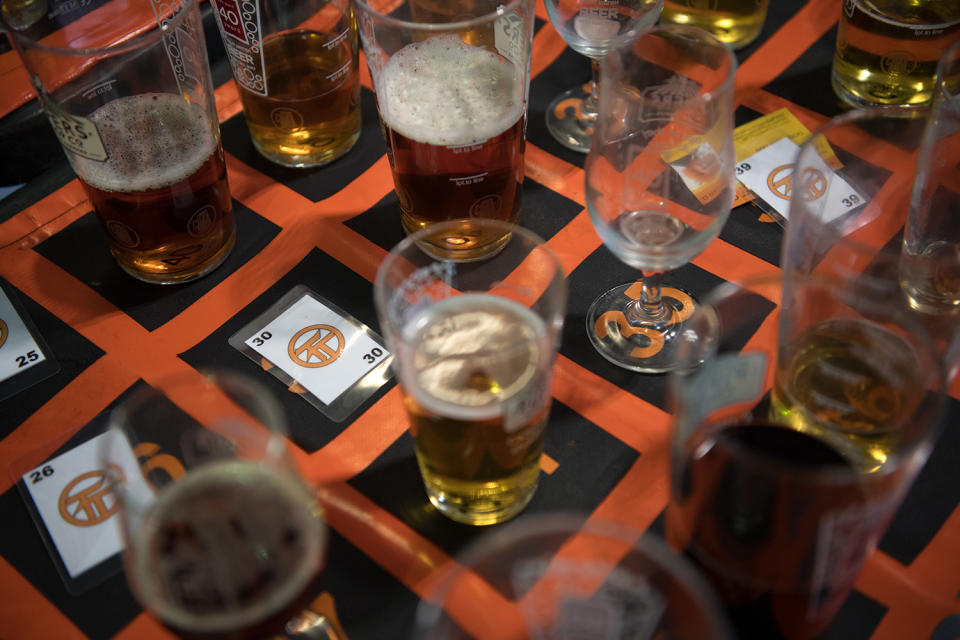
column 588, row 108
column 650, row 307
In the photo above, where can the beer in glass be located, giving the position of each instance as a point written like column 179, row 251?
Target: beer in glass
column 734, row 22
column 133, row 108
column 475, row 345
column 223, row 537
column 297, row 71
column 452, row 99
column 887, row 50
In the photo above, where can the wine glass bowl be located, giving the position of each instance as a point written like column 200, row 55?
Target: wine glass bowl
column 659, row 183
column 590, row 29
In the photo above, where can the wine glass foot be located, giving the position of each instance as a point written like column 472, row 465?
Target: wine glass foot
column 646, row 347
column 565, row 120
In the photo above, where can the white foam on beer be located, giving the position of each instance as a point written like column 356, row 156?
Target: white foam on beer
column 444, row 92
column 287, row 490
column 474, row 334
column 153, row 140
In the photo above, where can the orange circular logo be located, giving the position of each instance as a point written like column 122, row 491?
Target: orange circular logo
column 88, row 499
column 316, row 346
column 780, row 181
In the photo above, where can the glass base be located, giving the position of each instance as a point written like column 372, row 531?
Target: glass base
column 566, row 123
column 311, row 160
column 180, row 277
column 645, row 348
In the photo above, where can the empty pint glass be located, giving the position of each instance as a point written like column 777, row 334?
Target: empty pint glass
column 451, row 83
column 475, row 344
column 297, row 70
column 127, row 88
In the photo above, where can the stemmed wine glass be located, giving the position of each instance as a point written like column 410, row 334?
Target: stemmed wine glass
column 591, row 27
column 659, row 182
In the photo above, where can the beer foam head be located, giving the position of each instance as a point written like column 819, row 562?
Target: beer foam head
column 444, row 92
column 472, row 353
column 152, row 140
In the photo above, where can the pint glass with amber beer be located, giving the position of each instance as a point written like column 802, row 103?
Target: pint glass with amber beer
column 296, row 65
column 451, row 84
column 127, row 88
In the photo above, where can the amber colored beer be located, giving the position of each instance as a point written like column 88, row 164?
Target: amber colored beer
column 479, row 404
column 162, row 194
column 231, row 550
column 887, row 50
column 455, row 139
column 734, row 22
column 311, row 115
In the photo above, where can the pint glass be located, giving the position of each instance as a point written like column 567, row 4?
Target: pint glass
column 736, row 23
column 127, row 88
column 296, row 65
column 451, row 85
column 887, row 50
column 475, row 344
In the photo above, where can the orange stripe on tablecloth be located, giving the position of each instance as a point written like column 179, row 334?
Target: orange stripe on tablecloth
column 540, row 10
column 554, row 173
column 938, row 565
column 643, row 492
column 357, row 446
column 29, row 614
column 797, row 35
column 15, row 82
column 547, row 47
column 912, row 612
column 228, row 100
column 731, row 262
column 633, row 421
column 41, row 220
column 575, row 242
column 62, row 416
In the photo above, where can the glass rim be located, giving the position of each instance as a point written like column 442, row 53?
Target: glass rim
column 866, row 8
column 439, row 27
column 148, row 35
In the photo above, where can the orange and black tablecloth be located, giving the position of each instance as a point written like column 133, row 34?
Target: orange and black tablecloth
column 607, row 443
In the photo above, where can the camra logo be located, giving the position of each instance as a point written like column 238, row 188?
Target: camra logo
column 812, row 182
column 898, row 62
column 316, row 346
column 88, row 499
column 4, row 332
column 286, row 119
column 201, row 222
column 486, row 207
column 123, row 233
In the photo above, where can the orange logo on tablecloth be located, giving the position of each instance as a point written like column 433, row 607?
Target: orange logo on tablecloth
column 4, row 332
column 316, row 346
column 88, row 499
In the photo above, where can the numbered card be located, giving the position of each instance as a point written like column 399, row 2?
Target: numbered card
column 77, row 506
column 318, row 349
column 769, row 174
column 24, row 359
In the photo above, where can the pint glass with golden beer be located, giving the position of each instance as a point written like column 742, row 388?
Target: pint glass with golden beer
column 736, row 23
column 296, row 65
column 452, row 98
column 475, row 345
column 887, row 50
column 130, row 98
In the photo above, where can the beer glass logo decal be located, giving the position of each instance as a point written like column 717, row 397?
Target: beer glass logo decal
column 165, row 14
column 286, row 119
column 123, row 233
column 849, row 7
column 88, row 499
column 239, row 22
column 669, row 96
column 316, row 346
column 508, row 37
column 77, row 134
column 899, row 62
column 486, row 207
column 376, row 58
column 202, row 221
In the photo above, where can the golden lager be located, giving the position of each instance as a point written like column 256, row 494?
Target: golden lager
column 478, row 407
column 852, row 384
column 311, row 113
column 887, row 50
column 734, row 22
column 231, row 550
column 455, row 140
column 161, row 194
